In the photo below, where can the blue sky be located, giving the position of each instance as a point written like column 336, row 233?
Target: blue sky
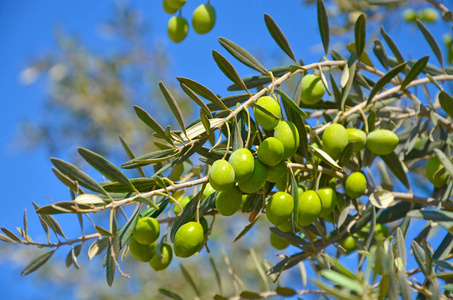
column 26, row 31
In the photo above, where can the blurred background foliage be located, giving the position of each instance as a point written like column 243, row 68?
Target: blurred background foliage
column 89, row 100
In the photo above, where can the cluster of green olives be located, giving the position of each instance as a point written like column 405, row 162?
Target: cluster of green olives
column 203, row 19
column 349, row 243
column 143, row 245
column 379, row 141
column 428, row 15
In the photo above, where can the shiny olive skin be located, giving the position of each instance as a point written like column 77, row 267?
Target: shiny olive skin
column 229, row 201
column 270, row 152
column 309, row 207
column 188, row 239
column 432, row 167
column 279, row 208
column 177, row 29
column 312, row 89
column 243, row 164
column 382, row 141
column 221, row 175
column 277, row 172
column 256, row 181
column 272, row 106
column 147, row 230
column 334, row 139
column 203, row 18
column 277, row 242
column 328, row 199
column 288, row 135
column 355, row 185
column 358, row 137
column 141, row 252
column 162, row 261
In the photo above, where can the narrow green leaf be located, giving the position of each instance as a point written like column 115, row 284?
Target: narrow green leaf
column 446, row 102
column 291, row 238
column 105, row 167
column 346, row 154
column 151, row 123
column 77, row 175
column 290, row 103
column 295, row 195
column 400, row 242
column 142, row 184
column 150, row 158
column 285, row 291
column 336, row 292
column 130, row 155
column 246, row 229
column 287, row 263
column 66, row 180
column 279, row 37
column 173, row 105
column 170, row 294
column 190, row 280
column 260, row 80
column 384, row 80
column 379, row 51
column 216, row 272
column 360, row 34
column 419, row 255
column 196, row 99
column 102, row 231
column 431, row 41
column 5, row 239
column 323, row 24
column 350, row 284
column 396, row 167
column 250, row 295
column 97, row 247
column 228, row 69
column 431, row 215
column 392, row 45
column 345, row 91
column 405, row 291
column 202, row 91
column 444, row 248
column 186, row 216
column 415, row 71
column 242, row 55
column 11, row 235
column 37, row 262
column 326, row 158
column 448, row 165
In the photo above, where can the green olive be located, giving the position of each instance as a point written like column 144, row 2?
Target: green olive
column 168, row 9
column 382, row 141
column 188, row 239
column 256, row 181
column 312, row 89
column 176, row 3
column 208, row 190
column 279, row 208
column 429, row 15
column 277, row 242
column 432, row 167
column 162, row 261
column 288, row 135
column 349, row 244
column 358, row 137
column 286, row 226
column 272, row 106
column 309, row 207
column 183, row 202
column 328, row 200
column 177, row 29
column 221, row 175
column 243, row 163
column 270, row 152
column 409, row 15
column 355, row 185
column 276, row 172
column 282, row 183
column 334, row 139
column 229, row 201
column 203, row 18
column 141, row 252
column 146, row 231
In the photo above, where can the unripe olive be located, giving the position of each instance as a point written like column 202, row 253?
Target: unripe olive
column 309, row 207
column 183, row 202
column 279, row 208
column 176, row 3
column 382, row 141
column 429, row 15
column 243, row 163
column 334, row 139
column 285, row 227
column 288, row 135
column 162, row 261
column 188, row 239
column 409, row 15
column 256, row 181
column 168, row 9
column 358, row 137
column 270, row 151
column 229, row 201
column 282, row 183
column 272, row 106
column 349, row 244
column 312, row 89
column 177, row 29
column 432, row 166
column 328, row 199
column 277, row 172
column 277, row 242
column 221, row 175
column 355, row 185
column 141, row 252
column 208, row 190
column 146, row 231
column 203, row 18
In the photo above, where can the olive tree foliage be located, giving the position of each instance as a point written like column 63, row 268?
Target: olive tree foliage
column 409, row 97
column 89, row 92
